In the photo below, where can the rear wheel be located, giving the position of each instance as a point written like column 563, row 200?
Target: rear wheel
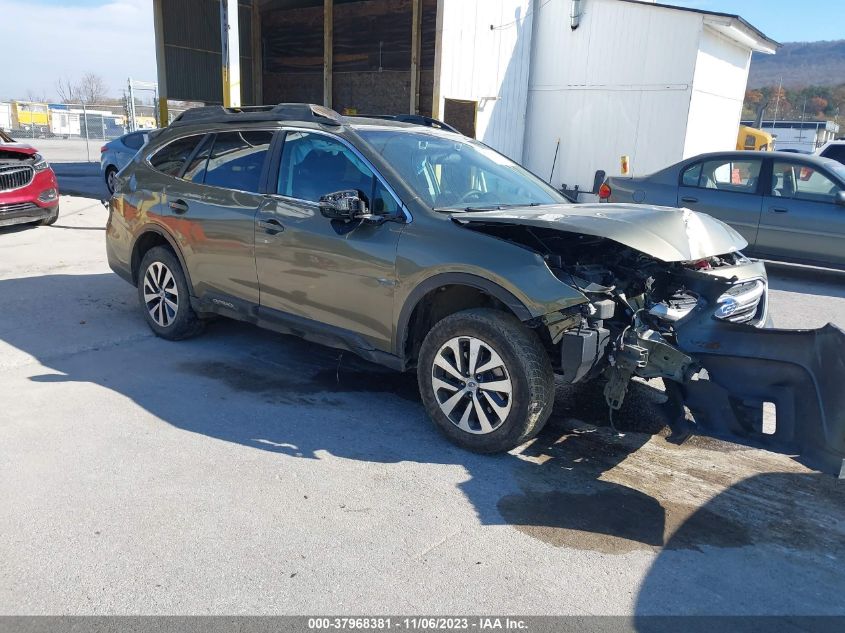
column 165, row 297
column 485, row 380
column 111, row 172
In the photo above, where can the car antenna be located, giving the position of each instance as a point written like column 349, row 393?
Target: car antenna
column 554, row 160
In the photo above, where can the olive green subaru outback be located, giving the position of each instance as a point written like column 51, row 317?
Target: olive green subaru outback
column 416, row 247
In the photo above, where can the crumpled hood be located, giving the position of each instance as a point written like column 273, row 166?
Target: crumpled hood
column 666, row 233
column 23, row 148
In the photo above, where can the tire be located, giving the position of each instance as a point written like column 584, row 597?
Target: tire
column 169, row 314
column 111, row 170
column 51, row 219
column 510, row 355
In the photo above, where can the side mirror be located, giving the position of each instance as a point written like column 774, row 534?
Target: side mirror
column 342, row 205
column 840, row 198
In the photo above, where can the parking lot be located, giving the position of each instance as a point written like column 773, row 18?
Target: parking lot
column 250, row 472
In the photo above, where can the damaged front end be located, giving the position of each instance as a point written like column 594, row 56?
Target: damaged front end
column 695, row 317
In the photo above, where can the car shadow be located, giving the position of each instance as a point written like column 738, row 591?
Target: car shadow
column 579, row 485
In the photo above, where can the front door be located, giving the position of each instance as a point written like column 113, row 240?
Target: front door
column 212, row 214
column 727, row 189
column 335, row 273
column 801, row 220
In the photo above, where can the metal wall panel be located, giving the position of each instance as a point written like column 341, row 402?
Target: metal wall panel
column 619, row 84
column 489, row 66
column 192, row 50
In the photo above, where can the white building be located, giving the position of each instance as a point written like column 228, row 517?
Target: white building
column 806, row 136
column 607, row 78
column 5, row 116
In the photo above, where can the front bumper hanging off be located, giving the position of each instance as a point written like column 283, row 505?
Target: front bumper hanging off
column 801, row 372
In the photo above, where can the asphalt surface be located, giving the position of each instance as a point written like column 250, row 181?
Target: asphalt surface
column 244, row 472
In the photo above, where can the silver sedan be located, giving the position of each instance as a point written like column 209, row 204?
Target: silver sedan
column 789, row 207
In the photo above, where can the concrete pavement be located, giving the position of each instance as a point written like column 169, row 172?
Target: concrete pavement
column 244, row 472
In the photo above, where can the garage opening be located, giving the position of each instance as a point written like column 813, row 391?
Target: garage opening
column 371, row 57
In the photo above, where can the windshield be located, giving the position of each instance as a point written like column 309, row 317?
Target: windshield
column 451, row 173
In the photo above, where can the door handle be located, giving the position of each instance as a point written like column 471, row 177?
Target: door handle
column 271, row 226
column 179, row 206
column 689, row 199
column 779, row 209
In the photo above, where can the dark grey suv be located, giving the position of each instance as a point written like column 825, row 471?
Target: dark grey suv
column 419, row 248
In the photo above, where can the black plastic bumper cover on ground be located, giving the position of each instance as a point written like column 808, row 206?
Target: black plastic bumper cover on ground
column 802, row 372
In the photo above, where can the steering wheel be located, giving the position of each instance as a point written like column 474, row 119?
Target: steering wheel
column 472, row 192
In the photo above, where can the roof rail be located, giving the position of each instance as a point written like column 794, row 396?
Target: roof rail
column 418, row 119
column 280, row 112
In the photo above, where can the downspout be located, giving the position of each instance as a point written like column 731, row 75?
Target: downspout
column 575, row 14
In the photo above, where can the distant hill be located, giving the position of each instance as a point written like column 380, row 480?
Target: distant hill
column 800, row 64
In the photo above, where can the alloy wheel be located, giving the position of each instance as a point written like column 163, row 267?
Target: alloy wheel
column 161, row 294
column 472, row 385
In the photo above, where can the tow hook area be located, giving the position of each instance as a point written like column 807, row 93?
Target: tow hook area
column 800, row 372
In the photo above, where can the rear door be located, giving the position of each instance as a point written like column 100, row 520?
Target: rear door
column 801, row 220
column 212, row 213
column 727, row 188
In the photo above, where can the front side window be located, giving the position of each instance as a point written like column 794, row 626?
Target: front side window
column 802, row 182
column 170, row 158
column 236, row 160
column 314, row 165
column 737, row 175
column 451, row 173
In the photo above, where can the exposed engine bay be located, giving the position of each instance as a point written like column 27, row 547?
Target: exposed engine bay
column 701, row 326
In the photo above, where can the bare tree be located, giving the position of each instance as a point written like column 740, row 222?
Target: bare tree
column 89, row 89
column 92, row 88
column 67, row 91
column 38, row 96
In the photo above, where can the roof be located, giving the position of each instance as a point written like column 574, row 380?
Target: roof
column 786, row 124
column 730, row 25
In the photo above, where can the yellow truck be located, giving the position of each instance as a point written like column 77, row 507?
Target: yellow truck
column 750, row 138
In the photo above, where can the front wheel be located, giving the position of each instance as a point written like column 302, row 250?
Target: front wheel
column 50, row 219
column 485, row 380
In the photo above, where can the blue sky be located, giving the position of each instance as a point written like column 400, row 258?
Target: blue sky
column 782, row 20
column 114, row 38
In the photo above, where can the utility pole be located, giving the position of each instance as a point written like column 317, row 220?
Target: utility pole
column 131, row 106
column 777, row 103
column 85, row 120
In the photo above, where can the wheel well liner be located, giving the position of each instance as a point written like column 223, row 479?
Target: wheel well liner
column 150, row 237
column 413, row 317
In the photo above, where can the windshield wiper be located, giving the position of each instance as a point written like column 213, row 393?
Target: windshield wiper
column 488, row 207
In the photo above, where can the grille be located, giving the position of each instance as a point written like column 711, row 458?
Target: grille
column 15, row 176
column 750, row 298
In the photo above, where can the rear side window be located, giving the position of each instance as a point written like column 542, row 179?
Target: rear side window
column 236, row 160
column 195, row 172
column 170, row 158
column 736, row 175
column 691, row 175
column 134, row 141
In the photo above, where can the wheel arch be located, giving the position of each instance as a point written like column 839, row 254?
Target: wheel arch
column 149, row 237
column 441, row 295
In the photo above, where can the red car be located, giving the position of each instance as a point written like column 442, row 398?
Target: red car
column 28, row 188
